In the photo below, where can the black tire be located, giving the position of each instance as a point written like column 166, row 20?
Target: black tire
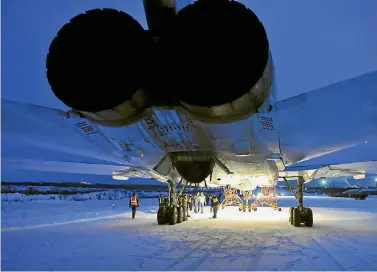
column 240, row 209
column 179, row 214
column 255, row 209
column 173, row 215
column 161, row 216
column 279, row 209
column 296, row 217
column 308, row 217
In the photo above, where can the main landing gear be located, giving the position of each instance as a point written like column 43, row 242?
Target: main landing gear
column 299, row 214
column 173, row 210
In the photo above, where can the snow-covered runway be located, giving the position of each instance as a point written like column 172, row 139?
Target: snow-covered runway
column 92, row 235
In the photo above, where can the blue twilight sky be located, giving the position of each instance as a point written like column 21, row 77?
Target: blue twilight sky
column 314, row 43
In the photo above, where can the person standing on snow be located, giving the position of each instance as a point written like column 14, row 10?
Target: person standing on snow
column 201, row 200
column 134, row 203
column 215, row 206
column 190, row 202
column 196, row 203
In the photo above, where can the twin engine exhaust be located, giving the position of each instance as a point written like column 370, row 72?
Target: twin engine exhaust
column 211, row 61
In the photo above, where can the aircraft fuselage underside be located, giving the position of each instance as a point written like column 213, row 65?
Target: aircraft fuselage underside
column 234, row 153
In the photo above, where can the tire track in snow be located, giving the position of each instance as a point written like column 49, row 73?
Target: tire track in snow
column 197, row 264
column 297, row 246
column 189, row 253
column 327, row 253
column 345, row 247
column 253, row 261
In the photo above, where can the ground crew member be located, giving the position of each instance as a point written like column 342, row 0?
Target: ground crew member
column 215, row 205
column 201, row 200
column 210, row 200
column 196, row 203
column 180, row 200
column 190, row 202
column 207, row 199
column 134, row 203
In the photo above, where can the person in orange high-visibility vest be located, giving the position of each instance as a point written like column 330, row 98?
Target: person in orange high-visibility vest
column 134, row 203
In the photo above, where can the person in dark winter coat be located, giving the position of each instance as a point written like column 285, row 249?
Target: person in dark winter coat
column 215, row 206
column 210, row 203
column 134, row 203
column 190, row 199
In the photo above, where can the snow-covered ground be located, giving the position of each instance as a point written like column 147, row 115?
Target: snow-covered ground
column 95, row 235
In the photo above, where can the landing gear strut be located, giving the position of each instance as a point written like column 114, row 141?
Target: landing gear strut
column 174, row 210
column 299, row 214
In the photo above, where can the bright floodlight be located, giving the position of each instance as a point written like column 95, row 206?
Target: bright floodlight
column 323, row 180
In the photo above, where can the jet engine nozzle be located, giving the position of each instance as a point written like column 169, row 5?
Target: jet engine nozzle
column 96, row 65
column 222, row 65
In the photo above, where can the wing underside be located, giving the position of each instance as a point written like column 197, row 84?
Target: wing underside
column 43, row 139
column 327, row 120
column 357, row 161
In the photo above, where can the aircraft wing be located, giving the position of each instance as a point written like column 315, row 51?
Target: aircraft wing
column 336, row 117
column 357, row 161
column 44, row 139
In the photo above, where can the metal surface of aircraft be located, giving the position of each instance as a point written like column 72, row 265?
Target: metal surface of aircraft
column 208, row 116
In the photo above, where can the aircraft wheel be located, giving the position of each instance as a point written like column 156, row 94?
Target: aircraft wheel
column 173, row 212
column 179, row 214
column 296, row 217
column 308, row 217
column 279, row 209
column 161, row 216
